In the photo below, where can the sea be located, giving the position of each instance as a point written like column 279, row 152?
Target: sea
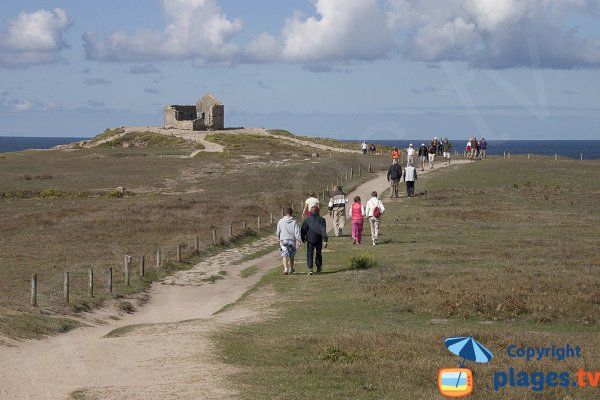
column 17, row 143
column 588, row 149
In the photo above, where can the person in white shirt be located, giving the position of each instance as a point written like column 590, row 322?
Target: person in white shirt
column 363, row 147
column 410, row 176
column 311, row 202
column 410, row 153
column 374, row 210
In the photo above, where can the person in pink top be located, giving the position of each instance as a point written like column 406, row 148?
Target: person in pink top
column 357, row 212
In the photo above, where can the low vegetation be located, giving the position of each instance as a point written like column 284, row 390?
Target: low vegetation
column 78, row 220
column 509, row 258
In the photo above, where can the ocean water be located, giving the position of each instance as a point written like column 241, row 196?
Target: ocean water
column 14, row 143
column 589, row 149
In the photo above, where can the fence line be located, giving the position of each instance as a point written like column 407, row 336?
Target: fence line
column 162, row 253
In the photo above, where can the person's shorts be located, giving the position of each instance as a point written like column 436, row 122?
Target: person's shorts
column 446, row 154
column 288, row 248
column 422, row 158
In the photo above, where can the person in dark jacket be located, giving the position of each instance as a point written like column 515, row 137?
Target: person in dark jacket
column 423, row 155
column 394, row 175
column 314, row 234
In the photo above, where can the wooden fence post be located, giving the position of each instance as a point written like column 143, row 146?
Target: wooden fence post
column 243, row 225
column 66, row 287
column 370, row 168
column 34, row 290
column 271, row 218
column 556, row 156
column 127, row 270
column 158, row 259
column 91, row 282
column 351, row 172
column 258, row 222
column 230, row 230
column 178, row 253
column 581, row 156
column 110, row 283
column 197, row 244
column 359, row 170
column 282, row 212
column 214, row 237
column 143, row 265
column 504, row 154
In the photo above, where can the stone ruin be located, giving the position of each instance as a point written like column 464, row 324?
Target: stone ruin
column 207, row 114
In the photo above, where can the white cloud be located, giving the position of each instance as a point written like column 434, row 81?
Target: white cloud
column 33, row 38
column 196, row 30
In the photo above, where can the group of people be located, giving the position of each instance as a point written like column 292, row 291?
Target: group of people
column 370, row 148
column 476, row 149
column 313, row 231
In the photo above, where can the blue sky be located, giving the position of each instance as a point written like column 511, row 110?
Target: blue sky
column 385, row 69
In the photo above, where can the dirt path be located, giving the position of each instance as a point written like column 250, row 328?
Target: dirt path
column 164, row 351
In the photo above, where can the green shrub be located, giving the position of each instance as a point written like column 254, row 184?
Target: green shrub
column 363, row 261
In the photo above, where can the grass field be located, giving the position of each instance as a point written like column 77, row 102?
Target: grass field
column 502, row 250
column 59, row 211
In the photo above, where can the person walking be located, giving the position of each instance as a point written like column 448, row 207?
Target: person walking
column 483, row 148
column 423, row 155
column 309, row 203
column 395, row 154
column 468, row 148
column 337, row 210
column 374, row 210
column 364, row 147
column 394, row 175
column 410, row 154
column 314, row 233
column 288, row 233
column 357, row 213
column 473, row 148
column 447, row 146
column 431, row 153
column 410, row 176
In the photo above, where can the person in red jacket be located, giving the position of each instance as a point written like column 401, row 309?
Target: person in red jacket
column 357, row 213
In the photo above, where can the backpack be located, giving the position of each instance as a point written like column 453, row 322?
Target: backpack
column 376, row 212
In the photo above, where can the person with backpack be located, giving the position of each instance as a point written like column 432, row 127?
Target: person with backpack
column 394, row 175
column 337, row 210
column 314, row 233
column 288, row 233
column 357, row 213
column 374, row 210
column 395, row 154
column 410, row 176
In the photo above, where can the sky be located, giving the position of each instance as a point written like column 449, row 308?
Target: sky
column 352, row 69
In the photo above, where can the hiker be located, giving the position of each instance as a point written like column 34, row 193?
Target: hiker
column 288, row 233
column 440, row 147
column 468, row 148
column 423, row 155
column 410, row 154
column 483, row 148
column 431, row 153
column 314, row 234
column 473, row 148
column 363, row 147
column 394, row 175
column 309, row 203
column 372, row 149
column 447, row 146
column 357, row 213
column 395, row 154
column 374, row 210
column 337, row 210
column 410, row 176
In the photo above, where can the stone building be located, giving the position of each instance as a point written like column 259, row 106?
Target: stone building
column 207, row 114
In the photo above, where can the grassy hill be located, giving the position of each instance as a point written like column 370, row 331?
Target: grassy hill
column 502, row 250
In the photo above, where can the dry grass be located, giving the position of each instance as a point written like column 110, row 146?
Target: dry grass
column 509, row 258
column 173, row 200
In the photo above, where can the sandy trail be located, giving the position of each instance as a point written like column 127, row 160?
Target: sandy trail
column 167, row 354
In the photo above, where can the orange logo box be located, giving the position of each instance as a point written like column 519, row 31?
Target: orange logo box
column 455, row 382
